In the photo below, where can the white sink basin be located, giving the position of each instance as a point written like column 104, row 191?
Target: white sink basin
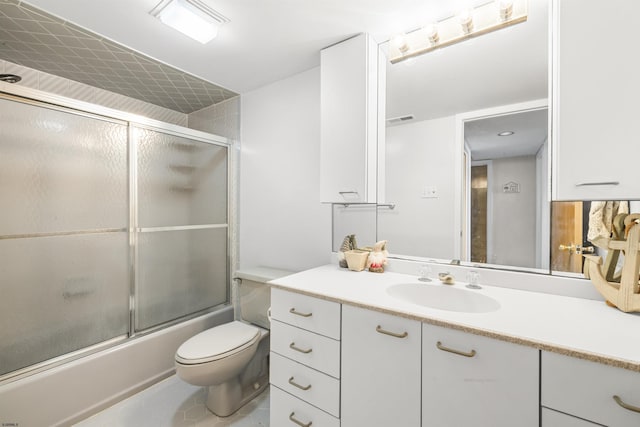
column 444, row 297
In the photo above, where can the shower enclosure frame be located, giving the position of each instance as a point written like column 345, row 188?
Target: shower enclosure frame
column 60, row 103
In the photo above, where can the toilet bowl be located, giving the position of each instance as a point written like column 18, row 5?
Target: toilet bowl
column 231, row 360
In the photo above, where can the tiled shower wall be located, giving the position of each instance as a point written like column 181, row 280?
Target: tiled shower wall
column 220, row 119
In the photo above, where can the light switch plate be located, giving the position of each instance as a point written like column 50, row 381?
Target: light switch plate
column 430, row 192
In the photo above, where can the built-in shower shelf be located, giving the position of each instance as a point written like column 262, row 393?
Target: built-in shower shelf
column 185, row 169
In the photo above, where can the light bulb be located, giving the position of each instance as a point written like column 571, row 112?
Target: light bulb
column 400, row 43
column 506, row 9
column 431, row 32
column 466, row 21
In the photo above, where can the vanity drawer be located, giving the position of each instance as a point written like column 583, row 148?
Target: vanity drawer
column 287, row 409
column 316, row 351
column 586, row 389
column 312, row 386
column 313, row 314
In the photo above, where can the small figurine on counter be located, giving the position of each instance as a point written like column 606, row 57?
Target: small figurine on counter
column 378, row 257
column 348, row 244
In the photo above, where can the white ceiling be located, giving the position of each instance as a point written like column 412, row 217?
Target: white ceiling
column 266, row 40
column 529, row 134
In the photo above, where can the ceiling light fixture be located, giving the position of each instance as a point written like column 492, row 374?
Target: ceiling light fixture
column 506, row 133
column 483, row 19
column 192, row 18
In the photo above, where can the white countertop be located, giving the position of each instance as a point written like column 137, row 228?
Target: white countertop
column 573, row 326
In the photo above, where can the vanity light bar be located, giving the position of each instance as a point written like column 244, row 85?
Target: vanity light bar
column 469, row 23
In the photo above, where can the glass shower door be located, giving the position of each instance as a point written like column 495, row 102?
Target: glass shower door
column 64, row 247
column 182, row 239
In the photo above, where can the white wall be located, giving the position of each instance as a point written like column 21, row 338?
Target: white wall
column 282, row 223
column 514, row 214
column 419, row 155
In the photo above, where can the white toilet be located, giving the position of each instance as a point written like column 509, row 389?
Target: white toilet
column 232, row 359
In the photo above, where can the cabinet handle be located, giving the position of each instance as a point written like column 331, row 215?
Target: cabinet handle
column 393, row 334
column 626, row 405
column 293, row 311
column 293, row 347
column 342, row 193
column 454, row 351
column 292, row 417
column 586, row 184
column 301, row 387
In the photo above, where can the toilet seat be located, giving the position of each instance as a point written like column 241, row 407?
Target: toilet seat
column 217, row 343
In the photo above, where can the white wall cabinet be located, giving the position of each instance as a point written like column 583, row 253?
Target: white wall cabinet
column 595, row 100
column 349, row 140
column 599, row 393
column 380, row 369
column 474, row 380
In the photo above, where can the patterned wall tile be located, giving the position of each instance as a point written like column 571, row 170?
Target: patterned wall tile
column 71, row 89
column 35, row 39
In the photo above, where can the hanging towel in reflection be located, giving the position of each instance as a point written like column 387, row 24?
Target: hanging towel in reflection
column 601, row 217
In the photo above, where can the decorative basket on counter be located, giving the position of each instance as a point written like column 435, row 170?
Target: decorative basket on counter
column 356, row 259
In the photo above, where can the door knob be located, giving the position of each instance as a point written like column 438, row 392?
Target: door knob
column 570, row 248
column 578, row 249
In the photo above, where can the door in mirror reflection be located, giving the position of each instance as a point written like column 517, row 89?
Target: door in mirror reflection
column 566, row 236
column 587, row 227
column 508, row 208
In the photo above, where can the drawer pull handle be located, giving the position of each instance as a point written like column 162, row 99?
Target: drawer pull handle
column 301, row 350
column 626, row 405
column 297, row 313
column 292, row 417
column 393, row 334
column 454, row 351
column 589, row 184
column 301, row 387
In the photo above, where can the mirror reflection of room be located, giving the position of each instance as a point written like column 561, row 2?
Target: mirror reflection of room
column 428, row 101
column 508, row 209
column 587, row 227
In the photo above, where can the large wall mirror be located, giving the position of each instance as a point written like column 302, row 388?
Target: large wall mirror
column 466, row 162
column 465, row 171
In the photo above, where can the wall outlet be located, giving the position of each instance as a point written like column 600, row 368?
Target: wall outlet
column 430, row 192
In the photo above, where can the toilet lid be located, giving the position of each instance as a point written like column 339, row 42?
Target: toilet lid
column 217, row 342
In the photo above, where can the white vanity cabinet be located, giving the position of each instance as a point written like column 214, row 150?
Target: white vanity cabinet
column 595, row 98
column 380, row 369
column 474, row 380
column 591, row 391
column 304, row 361
column 349, row 121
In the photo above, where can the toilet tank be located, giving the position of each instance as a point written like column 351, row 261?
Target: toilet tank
column 254, row 295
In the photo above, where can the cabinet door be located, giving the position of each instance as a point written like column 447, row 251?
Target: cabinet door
column 348, row 99
column 603, row 394
column 380, row 369
column 595, row 100
column 474, row 380
column 552, row 418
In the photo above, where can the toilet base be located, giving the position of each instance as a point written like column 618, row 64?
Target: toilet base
column 225, row 399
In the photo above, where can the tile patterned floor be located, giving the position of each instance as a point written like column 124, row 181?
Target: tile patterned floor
column 174, row 403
